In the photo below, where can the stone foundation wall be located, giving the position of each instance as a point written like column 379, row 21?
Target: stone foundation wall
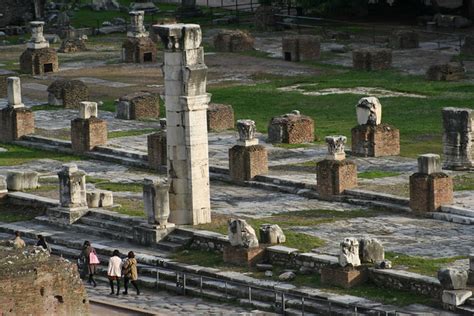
column 32, row 61
column 453, row 71
column 15, row 123
column 134, row 50
column 233, row 41
column 468, row 47
column 291, row 258
column 375, row 141
column 87, row 134
column 405, row 40
column 209, row 241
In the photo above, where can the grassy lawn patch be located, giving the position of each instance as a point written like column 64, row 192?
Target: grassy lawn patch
column 464, row 182
column 16, row 155
column 377, row 174
column 129, row 206
column 134, row 132
column 120, row 187
column 426, row 266
column 9, row 214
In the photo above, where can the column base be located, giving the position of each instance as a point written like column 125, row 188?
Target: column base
column 247, row 162
column 429, row 192
column 15, row 123
column 335, row 176
column 87, row 134
column 344, row 277
column 243, row 256
column 375, row 141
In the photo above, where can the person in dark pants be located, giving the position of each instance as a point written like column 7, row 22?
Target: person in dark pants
column 130, row 273
column 114, row 271
column 88, row 266
column 42, row 242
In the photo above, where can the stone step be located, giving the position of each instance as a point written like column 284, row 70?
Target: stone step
column 272, row 187
column 43, row 146
column 453, row 218
column 121, row 152
column 384, row 205
column 169, row 246
column 46, row 140
column 457, row 210
column 118, row 159
column 465, row 310
column 258, row 305
column 470, row 301
column 102, row 214
column 375, row 196
column 106, row 224
column 179, row 239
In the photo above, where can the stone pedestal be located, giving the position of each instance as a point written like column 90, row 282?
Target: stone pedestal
column 149, row 235
column 372, row 59
column 233, row 41
column 39, row 61
column 139, row 50
column 157, row 150
column 220, row 117
column 246, row 162
column 429, row 191
column 291, row 129
column 137, row 106
column 3, row 188
column 301, row 48
column 241, row 256
column 375, row 141
column 15, row 123
column 87, row 134
column 344, row 277
column 335, row 176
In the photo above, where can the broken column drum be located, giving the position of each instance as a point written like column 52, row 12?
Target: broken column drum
column 186, row 103
column 458, row 134
column 156, row 199
column 138, row 47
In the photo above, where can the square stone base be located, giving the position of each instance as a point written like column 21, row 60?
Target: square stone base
column 139, row 50
column 429, row 192
column 335, row 176
column 157, row 150
column 372, row 59
column 344, row 277
column 247, row 162
column 15, row 123
column 243, row 256
column 149, row 235
column 220, row 117
column 375, row 141
column 39, row 61
column 87, row 134
column 66, row 216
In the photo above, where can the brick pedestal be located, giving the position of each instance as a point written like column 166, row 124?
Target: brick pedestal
column 139, row 50
column 429, row 192
column 372, row 59
column 15, row 123
column 343, row 277
column 291, row 129
column 87, row 134
column 375, row 141
column 39, row 61
column 335, row 176
column 220, row 117
column 247, row 162
column 157, row 154
column 243, row 256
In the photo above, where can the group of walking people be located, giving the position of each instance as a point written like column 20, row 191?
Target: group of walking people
column 117, row 269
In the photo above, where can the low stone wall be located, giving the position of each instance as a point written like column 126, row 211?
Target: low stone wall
column 209, row 241
column 293, row 259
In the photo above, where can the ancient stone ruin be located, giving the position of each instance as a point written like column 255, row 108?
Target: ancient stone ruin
column 458, row 135
column 88, row 131
column 371, row 250
column 455, row 287
column 100, row 198
column 220, row 117
column 291, row 128
column 67, row 93
column 271, row 234
column 405, row 39
column 371, row 138
column 138, row 47
column 186, row 103
column 429, row 187
column 233, row 41
column 35, row 283
column 247, row 159
column 157, row 149
column 301, row 48
column 138, row 106
column 372, row 59
column 335, row 174
column 452, row 71
column 22, row 180
column 244, row 246
column 15, row 119
column 156, row 199
column 72, row 45
column 38, row 58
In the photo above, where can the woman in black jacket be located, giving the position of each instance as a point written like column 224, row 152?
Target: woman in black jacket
column 85, row 256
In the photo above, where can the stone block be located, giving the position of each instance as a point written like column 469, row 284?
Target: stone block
column 375, row 141
column 429, row 163
column 429, row 192
column 15, row 123
column 150, row 235
column 39, row 61
column 247, row 162
column 335, row 176
column 156, row 200
column 452, row 279
column 22, row 180
column 139, row 50
column 157, row 150
column 240, row 256
column 349, row 253
column 138, row 106
column 371, row 250
column 241, row 234
column 452, row 71
column 405, row 39
column 301, row 48
column 87, row 134
column 14, row 92
column 372, row 59
column 72, row 45
column 336, row 146
column 458, row 134
column 67, row 93
column 369, row 111
column 455, row 297
column 100, row 198
column 220, row 117
column 343, row 277
column 271, row 234
column 291, row 129
column 72, row 187
column 233, row 41
column 87, row 110
column 471, row 261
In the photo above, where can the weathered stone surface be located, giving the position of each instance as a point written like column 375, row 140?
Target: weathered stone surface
column 371, row 250
column 137, row 28
column 458, row 134
column 246, row 162
column 72, row 187
column 291, row 128
column 335, row 176
column 40, row 284
column 383, row 264
column 452, row 279
column 452, row 71
column 68, row 93
column 233, row 41
column 369, row 111
column 429, row 192
column 468, row 47
column 455, row 297
column 15, row 123
column 37, row 40
column 87, row 110
column 3, row 185
column 39, row 61
column 372, row 59
column 343, row 277
column 349, row 253
column 72, row 45
column 220, row 117
column 375, row 141
column 246, row 129
column 429, row 163
column 448, row 20
column 87, row 134
column 137, row 106
column 271, row 234
column 287, row 276
column 139, row 50
column 22, row 180
column 243, row 256
column 301, row 48
column 241, row 234
column 156, row 199
column 100, row 198
column 405, row 39
column 14, row 92
column 336, row 147
column 157, row 149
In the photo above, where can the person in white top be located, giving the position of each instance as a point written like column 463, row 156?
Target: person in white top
column 114, row 271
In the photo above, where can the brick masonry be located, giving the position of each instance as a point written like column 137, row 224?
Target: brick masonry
column 136, row 50
column 15, row 123
column 344, row 277
column 429, row 192
column 87, row 134
column 301, row 48
column 291, row 129
column 243, row 256
column 372, row 59
column 3, row 85
column 34, row 61
column 70, row 92
column 220, row 117
column 247, row 162
column 375, row 141
column 335, row 176
column 157, row 150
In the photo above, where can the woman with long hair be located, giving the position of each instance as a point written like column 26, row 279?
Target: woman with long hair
column 130, row 272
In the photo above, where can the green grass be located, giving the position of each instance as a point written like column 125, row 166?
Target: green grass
column 16, row 155
column 135, row 132
column 464, row 182
column 374, row 174
column 108, row 105
column 9, row 214
column 129, row 206
column 421, row 265
column 120, row 187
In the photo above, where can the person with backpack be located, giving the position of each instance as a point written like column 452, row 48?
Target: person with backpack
column 90, row 259
column 114, row 271
column 130, row 272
